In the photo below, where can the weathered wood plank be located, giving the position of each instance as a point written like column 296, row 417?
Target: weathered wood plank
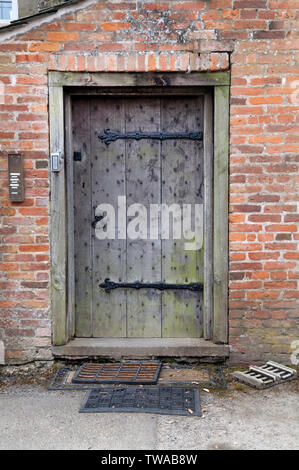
column 82, row 217
column 143, row 186
column 108, row 182
column 208, row 141
column 71, row 323
column 221, row 138
column 138, row 91
column 117, row 79
column 58, row 221
column 182, row 183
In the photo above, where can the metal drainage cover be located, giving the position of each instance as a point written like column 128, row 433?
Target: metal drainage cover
column 162, row 400
column 121, row 373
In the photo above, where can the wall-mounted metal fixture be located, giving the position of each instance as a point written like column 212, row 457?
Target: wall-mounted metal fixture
column 16, row 177
column 56, row 161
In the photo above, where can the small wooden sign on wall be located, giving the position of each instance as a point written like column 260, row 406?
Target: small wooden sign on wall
column 16, row 177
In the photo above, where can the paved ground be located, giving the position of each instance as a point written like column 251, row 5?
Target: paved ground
column 239, row 418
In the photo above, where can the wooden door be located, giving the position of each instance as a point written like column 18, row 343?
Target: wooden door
column 146, row 172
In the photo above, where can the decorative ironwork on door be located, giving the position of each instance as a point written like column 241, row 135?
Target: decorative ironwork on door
column 110, row 285
column 111, row 136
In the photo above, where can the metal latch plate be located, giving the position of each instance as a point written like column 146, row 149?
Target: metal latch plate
column 56, row 161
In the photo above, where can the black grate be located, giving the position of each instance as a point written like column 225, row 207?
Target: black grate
column 157, row 399
column 64, row 376
column 60, row 378
column 121, row 373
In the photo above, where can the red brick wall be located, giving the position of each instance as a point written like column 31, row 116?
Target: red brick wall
column 258, row 42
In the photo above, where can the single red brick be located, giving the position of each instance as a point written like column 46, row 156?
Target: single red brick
column 80, row 26
column 115, row 26
column 260, row 275
column 283, row 236
column 263, row 294
column 245, row 266
column 280, row 284
column 263, row 255
column 199, row 5
column 33, row 248
column 63, row 36
column 279, row 265
column 156, row 6
column 278, row 275
column 291, row 218
column 281, row 228
column 45, row 47
column 245, row 246
column 291, row 255
column 23, row 58
column 264, row 218
column 246, row 285
column 250, row 4
column 246, row 208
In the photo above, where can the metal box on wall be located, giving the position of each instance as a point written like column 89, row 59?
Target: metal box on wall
column 16, row 177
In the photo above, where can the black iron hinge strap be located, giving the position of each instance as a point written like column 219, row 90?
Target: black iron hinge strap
column 111, row 136
column 110, row 285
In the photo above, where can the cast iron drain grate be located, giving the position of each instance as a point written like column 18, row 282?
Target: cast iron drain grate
column 162, row 400
column 121, row 373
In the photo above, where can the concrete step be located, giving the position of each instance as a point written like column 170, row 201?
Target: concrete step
column 141, row 348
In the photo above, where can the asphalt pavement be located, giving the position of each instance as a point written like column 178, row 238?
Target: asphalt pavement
column 31, row 417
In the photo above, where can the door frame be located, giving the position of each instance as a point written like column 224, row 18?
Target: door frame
column 61, row 87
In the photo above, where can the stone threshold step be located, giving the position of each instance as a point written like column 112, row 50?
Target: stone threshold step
column 141, row 347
